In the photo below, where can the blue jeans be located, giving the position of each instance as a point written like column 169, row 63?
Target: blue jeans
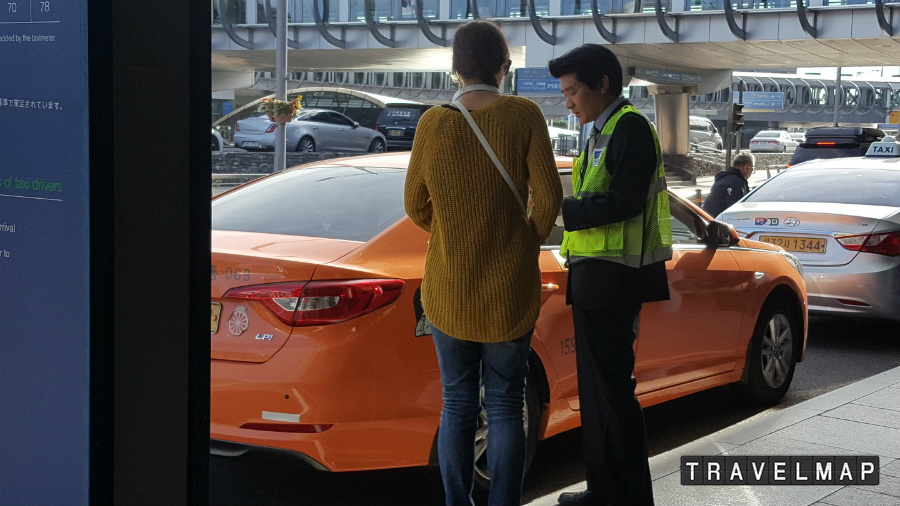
column 502, row 367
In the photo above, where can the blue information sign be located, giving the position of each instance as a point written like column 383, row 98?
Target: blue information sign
column 44, row 247
column 536, row 80
column 768, row 100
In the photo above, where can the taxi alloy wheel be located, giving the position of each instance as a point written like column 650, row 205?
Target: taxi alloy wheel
column 532, row 423
column 777, row 350
column 772, row 353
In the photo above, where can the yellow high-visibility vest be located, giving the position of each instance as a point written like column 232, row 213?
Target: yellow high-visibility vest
column 642, row 240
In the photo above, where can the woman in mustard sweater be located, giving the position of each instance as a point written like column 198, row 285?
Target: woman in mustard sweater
column 482, row 284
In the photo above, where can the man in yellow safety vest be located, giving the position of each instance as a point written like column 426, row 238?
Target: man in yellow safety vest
column 617, row 239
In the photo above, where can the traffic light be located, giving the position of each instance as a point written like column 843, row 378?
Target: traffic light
column 737, row 117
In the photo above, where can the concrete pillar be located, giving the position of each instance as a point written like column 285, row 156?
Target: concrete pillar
column 672, row 111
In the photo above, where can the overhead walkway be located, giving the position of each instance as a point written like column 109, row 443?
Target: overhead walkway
column 672, row 34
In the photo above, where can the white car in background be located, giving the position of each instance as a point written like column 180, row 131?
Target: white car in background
column 800, row 137
column 773, row 141
column 704, row 134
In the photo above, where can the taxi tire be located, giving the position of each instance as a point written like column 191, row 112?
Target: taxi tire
column 769, row 340
column 533, row 414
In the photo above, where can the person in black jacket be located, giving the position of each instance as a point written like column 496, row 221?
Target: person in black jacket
column 730, row 185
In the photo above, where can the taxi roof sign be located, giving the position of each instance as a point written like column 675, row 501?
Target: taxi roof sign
column 886, row 147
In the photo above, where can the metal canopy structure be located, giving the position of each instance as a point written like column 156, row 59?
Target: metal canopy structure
column 770, row 35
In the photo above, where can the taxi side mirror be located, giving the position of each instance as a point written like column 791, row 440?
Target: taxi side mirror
column 720, row 235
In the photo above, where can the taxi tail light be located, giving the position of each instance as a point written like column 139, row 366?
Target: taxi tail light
column 302, row 304
column 237, row 127
column 271, row 128
column 881, row 244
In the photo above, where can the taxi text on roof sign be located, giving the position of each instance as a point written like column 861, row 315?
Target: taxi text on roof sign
column 887, row 147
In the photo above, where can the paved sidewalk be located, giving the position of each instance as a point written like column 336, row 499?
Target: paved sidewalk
column 862, row 418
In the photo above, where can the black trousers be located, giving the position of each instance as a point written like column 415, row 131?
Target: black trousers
column 605, row 307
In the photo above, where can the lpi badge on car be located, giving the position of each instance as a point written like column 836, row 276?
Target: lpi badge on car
column 791, row 222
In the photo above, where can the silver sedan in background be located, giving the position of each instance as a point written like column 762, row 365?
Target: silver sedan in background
column 312, row 130
column 841, row 219
column 773, row 141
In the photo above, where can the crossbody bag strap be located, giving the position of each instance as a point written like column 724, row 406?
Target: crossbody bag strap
column 490, row 152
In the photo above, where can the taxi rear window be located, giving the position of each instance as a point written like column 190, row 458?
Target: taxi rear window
column 332, row 202
column 876, row 187
column 812, row 151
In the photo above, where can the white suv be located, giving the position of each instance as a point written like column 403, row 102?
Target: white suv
column 704, row 134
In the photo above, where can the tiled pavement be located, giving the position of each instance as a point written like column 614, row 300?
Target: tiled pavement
column 861, row 419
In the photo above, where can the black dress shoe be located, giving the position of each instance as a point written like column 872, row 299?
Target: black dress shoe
column 584, row 498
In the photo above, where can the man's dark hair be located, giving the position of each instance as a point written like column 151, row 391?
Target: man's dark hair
column 590, row 62
column 480, row 51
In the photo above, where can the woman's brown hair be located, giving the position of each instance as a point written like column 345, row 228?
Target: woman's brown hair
column 480, row 51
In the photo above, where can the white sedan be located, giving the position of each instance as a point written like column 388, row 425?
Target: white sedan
column 773, row 141
column 841, row 218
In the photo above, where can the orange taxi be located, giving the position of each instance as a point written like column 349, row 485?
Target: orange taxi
column 321, row 350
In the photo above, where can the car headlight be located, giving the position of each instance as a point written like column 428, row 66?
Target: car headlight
column 794, row 261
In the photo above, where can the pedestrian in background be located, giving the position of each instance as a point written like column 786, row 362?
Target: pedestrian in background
column 617, row 239
column 730, row 185
column 482, row 284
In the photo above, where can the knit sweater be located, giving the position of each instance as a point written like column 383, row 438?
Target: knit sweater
column 482, row 280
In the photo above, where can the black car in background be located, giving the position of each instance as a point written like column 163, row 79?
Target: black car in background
column 835, row 142
column 397, row 122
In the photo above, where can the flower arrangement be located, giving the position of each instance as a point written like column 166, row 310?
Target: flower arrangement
column 281, row 111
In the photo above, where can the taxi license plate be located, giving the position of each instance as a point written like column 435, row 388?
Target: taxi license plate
column 798, row 244
column 395, row 132
column 250, row 144
column 216, row 310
